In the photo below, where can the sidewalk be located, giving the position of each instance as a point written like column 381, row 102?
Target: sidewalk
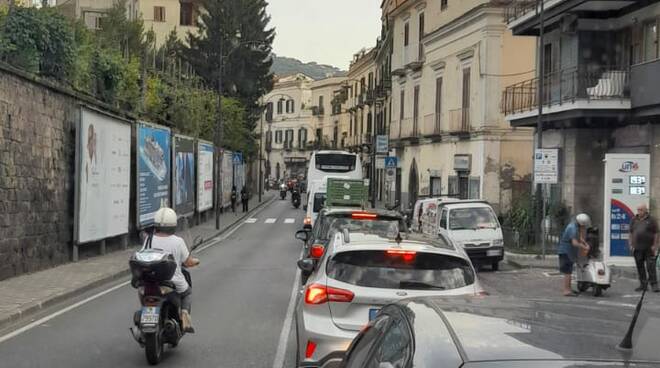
column 534, row 261
column 25, row 295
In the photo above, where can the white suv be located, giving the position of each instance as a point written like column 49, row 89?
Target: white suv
column 359, row 274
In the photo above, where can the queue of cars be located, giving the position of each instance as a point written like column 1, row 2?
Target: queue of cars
column 379, row 293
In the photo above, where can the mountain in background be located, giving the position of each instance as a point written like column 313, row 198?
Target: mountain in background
column 286, row 66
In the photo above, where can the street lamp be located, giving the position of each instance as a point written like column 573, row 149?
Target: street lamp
column 219, row 123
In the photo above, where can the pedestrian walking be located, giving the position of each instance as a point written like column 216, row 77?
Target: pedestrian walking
column 234, row 196
column 572, row 239
column 244, row 198
column 643, row 242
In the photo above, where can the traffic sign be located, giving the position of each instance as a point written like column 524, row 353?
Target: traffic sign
column 391, row 162
column 237, row 158
column 390, row 174
column 380, row 162
column 546, row 166
column 382, row 144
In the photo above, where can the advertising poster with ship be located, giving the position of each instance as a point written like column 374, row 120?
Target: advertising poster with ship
column 153, row 171
column 204, row 176
column 103, row 176
column 183, row 185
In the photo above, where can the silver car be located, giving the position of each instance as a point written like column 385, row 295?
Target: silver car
column 359, row 274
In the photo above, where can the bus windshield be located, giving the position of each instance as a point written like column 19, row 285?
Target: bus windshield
column 335, row 162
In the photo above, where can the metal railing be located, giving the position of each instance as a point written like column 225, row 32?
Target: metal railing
column 517, row 8
column 566, row 86
column 408, row 129
column 432, row 124
column 459, row 120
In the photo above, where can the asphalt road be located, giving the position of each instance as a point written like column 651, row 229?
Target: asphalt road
column 241, row 293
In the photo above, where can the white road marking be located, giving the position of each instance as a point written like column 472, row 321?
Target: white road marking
column 289, row 221
column 251, row 220
column 278, row 362
column 60, row 312
column 271, row 220
column 616, row 304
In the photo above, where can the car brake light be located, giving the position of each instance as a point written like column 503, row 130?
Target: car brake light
column 311, row 347
column 319, row 294
column 407, row 255
column 316, row 251
column 364, row 216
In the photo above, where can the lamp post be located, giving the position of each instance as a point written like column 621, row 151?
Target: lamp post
column 219, row 124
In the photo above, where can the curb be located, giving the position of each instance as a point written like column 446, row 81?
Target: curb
column 39, row 306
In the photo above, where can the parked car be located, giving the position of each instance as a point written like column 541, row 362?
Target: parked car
column 360, row 273
column 512, row 333
column 471, row 224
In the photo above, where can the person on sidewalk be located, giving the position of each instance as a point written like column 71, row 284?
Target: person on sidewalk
column 573, row 238
column 163, row 238
column 234, row 196
column 244, row 198
column 643, row 242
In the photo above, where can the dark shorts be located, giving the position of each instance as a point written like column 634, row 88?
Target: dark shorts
column 565, row 264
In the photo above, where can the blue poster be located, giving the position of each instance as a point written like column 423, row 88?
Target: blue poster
column 620, row 217
column 153, row 172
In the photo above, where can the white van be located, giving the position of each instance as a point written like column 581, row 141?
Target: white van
column 470, row 224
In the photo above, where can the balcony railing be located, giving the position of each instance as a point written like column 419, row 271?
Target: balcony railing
column 408, row 129
column 370, row 96
column 566, row 86
column 459, row 120
column 517, row 8
column 431, row 125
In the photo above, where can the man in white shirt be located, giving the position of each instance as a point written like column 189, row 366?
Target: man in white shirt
column 164, row 239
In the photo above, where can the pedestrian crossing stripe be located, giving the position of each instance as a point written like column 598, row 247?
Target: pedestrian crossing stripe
column 271, row 220
column 251, row 220
column 289, row 221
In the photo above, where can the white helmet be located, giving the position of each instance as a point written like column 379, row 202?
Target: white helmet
column 165, row 217
column 583, row 220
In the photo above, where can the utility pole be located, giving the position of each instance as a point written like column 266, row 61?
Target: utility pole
column 261, row 147
column 218, row 144
column 540, row 195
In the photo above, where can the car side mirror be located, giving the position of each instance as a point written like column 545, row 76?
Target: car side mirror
column 302, row 235
column 306, row 265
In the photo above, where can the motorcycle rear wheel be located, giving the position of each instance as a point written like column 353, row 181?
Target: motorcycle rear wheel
column 153, row 348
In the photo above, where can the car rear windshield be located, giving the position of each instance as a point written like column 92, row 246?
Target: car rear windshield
column 335, row 162
column 319, row 202
column 388, row 228
column 386, row 269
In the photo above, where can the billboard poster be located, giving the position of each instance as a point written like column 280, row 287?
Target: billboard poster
column 153, row 171
column 204, row 176
column 226, row 179
column 103, row 176
column 183, row 181
column 239, row 176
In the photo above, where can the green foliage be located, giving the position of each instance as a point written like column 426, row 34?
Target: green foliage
column 38, row 40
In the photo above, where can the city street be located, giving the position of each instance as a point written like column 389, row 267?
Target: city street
column 242, row 293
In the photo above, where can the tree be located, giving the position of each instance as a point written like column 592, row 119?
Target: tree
column 241, row 28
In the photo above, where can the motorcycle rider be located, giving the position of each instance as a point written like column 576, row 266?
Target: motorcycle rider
column 164, row 238
column 295, row 193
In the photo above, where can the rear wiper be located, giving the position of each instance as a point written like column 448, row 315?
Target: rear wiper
column 418, row 285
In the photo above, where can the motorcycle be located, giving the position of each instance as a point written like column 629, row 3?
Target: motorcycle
column 295, row 198
column 283, row 190
column 590, row 271
column 158, row 321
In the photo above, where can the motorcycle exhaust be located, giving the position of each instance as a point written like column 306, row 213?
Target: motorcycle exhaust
column 137, row 336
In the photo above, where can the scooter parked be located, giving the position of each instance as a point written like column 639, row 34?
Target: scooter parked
column 591, row 272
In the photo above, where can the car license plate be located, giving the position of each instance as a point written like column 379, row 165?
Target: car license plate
column 149, row 316
column 372, row 313
column 494, row 252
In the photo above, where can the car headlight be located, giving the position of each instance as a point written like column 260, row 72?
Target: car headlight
column 498, row 242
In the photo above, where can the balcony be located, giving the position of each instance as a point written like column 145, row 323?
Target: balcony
column 370, row 97
column 288, row 145
column 517, row 8
column 412, row 57
column 645, row 91
column 432, row 125
column 459, row 121
column 605, row 89
column 361, row 99
column 317, row 111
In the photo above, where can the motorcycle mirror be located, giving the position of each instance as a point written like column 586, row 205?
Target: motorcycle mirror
column 302, row 235
column 306, row 265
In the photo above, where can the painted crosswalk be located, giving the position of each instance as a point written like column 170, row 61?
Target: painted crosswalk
column 270, row 220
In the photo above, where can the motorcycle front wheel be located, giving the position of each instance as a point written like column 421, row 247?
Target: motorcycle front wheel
column 153, row 348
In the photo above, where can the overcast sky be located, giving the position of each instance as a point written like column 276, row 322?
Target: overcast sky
column 325, row 31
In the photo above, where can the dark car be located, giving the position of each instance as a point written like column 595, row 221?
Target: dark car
column 513, row 333
column 372, row 221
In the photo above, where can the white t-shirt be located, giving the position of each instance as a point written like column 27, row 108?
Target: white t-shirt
column 177, row 248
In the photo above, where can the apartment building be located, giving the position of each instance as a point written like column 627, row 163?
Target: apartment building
column 601, row 95
column 159, row 16
column 330, row 118
column 450, row 61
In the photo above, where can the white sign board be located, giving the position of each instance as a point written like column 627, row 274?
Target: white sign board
column 382, row 144
column 204, row 176
column 380, row 162
column 546, row 166
column 103, row 176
